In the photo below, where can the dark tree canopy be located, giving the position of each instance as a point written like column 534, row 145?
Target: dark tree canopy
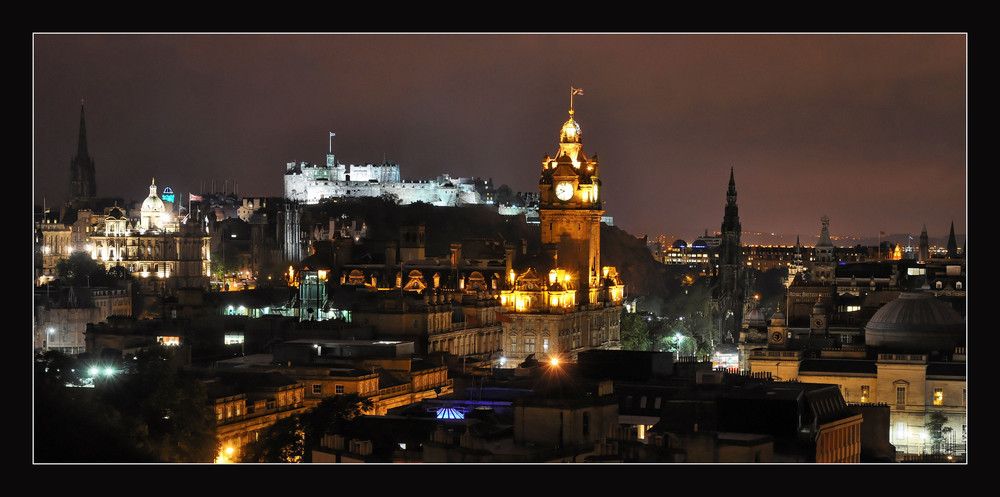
column 293, row 439
column 146, row 412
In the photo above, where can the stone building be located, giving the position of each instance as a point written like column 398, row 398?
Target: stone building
column 165, row 252
column 312, row 183
column 563, row 300
column 912, row 359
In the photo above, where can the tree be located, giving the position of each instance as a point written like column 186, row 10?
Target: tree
column 79, row 269
column 225, row 260
column 634, row 331
column 283, row 441
column 293, row 439
column 148, row 412
column 503, row 195
column 686, row 312
column 936, row 430
column 170, row 408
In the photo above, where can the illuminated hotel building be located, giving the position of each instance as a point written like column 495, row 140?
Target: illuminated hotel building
column 564, row 301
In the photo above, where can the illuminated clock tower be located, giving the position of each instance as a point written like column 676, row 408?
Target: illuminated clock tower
column 570, row 210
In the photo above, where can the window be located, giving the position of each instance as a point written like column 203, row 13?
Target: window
column 586, row 424
column 317, row 388
column 900, row 395
column 899, row 432
column 865, row 393
column 938, row 397
column 529, row 345
column 339, row 389
column 545, row 345
column 513, row 345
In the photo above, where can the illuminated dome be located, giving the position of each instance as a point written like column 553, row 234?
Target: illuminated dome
column 153, row 202
column 152, row 211
column 916, row 321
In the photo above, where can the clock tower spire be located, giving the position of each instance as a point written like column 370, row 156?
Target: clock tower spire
column 563, row 301
column 570, row 208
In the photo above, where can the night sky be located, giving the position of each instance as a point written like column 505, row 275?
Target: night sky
column 870, row 130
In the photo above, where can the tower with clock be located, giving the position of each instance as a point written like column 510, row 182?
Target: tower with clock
column 570, row 209
column 562, row 301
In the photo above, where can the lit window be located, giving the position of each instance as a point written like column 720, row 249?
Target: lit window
column 900, row 430
column 938, row 397
column 865, row 393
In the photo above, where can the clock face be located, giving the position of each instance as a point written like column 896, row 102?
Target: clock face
column 564, row 191
column 776, row 336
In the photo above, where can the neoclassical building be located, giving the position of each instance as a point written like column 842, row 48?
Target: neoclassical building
column 166, row 252
column 912, row 359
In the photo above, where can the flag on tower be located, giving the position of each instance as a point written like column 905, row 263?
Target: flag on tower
column 577, row 91
column 195, row 198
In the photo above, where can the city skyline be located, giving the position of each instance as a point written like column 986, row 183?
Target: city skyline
column 869, row 130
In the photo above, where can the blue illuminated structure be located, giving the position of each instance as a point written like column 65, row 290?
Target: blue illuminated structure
column 450, row 413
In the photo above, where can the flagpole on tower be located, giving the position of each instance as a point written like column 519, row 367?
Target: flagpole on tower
column 332, row 134
column 573, row 91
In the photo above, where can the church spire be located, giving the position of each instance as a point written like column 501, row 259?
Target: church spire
column 952, row 244
column 731, row 222
column 81, row 147
column 731, row 194
column 83, row 183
